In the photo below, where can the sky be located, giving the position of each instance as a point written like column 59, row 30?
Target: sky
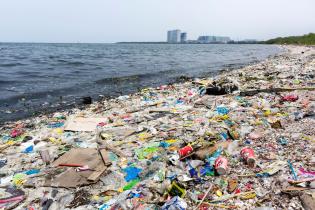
column 106, row 21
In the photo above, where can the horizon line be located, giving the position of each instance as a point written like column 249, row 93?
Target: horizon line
column 34, row 42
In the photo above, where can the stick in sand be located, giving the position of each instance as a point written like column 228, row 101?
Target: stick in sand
column 203, row 198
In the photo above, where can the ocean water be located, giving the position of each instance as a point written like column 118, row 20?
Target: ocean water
column 36, row 78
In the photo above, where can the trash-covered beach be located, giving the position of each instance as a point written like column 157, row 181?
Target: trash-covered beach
column 241, row 140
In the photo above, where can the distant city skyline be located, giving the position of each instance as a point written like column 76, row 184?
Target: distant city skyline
column 178, row 36
column 109, row 21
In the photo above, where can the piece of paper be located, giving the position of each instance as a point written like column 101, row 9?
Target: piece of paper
column 83, row 124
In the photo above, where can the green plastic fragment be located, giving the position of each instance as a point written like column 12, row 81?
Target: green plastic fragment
column 131, row 184
column 143, row 153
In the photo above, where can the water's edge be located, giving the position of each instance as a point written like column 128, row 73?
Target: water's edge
column 78, row 104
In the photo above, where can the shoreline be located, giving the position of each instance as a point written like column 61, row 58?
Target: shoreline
column 141, row 134
column 76, row 103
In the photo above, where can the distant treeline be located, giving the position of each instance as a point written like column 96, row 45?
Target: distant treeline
column 308, row 39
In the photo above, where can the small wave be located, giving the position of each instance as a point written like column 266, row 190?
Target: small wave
column 11, row 64
column 72, row 63
column 53, row 56
column 29, row 74
column 39, row 95
column 6, row 81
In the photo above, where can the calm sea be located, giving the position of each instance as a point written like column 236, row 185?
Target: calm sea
column 43, row 77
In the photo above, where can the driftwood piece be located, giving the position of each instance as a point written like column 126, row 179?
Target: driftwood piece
column 105, row 156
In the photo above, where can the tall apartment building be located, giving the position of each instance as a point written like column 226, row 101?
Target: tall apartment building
column 173, row 36
column 183, row 37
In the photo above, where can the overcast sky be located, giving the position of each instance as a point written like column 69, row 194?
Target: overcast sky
column 148, row 20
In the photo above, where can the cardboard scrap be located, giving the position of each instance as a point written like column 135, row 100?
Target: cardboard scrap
column 83, row 124
column 97, row 173
column 232, row 185
column 307, row 201
column 113, row 149
column 69, row 177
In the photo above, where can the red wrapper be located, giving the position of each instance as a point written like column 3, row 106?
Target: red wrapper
column 185, row 151
column 290, row 98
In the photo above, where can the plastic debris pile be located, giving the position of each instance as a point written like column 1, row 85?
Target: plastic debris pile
column 241, row 140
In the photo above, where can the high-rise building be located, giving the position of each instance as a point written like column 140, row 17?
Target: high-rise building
column 183, row 37
column 173, row 36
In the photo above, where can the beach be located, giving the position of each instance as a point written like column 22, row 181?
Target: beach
column 55, row 77
column 176, row 146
